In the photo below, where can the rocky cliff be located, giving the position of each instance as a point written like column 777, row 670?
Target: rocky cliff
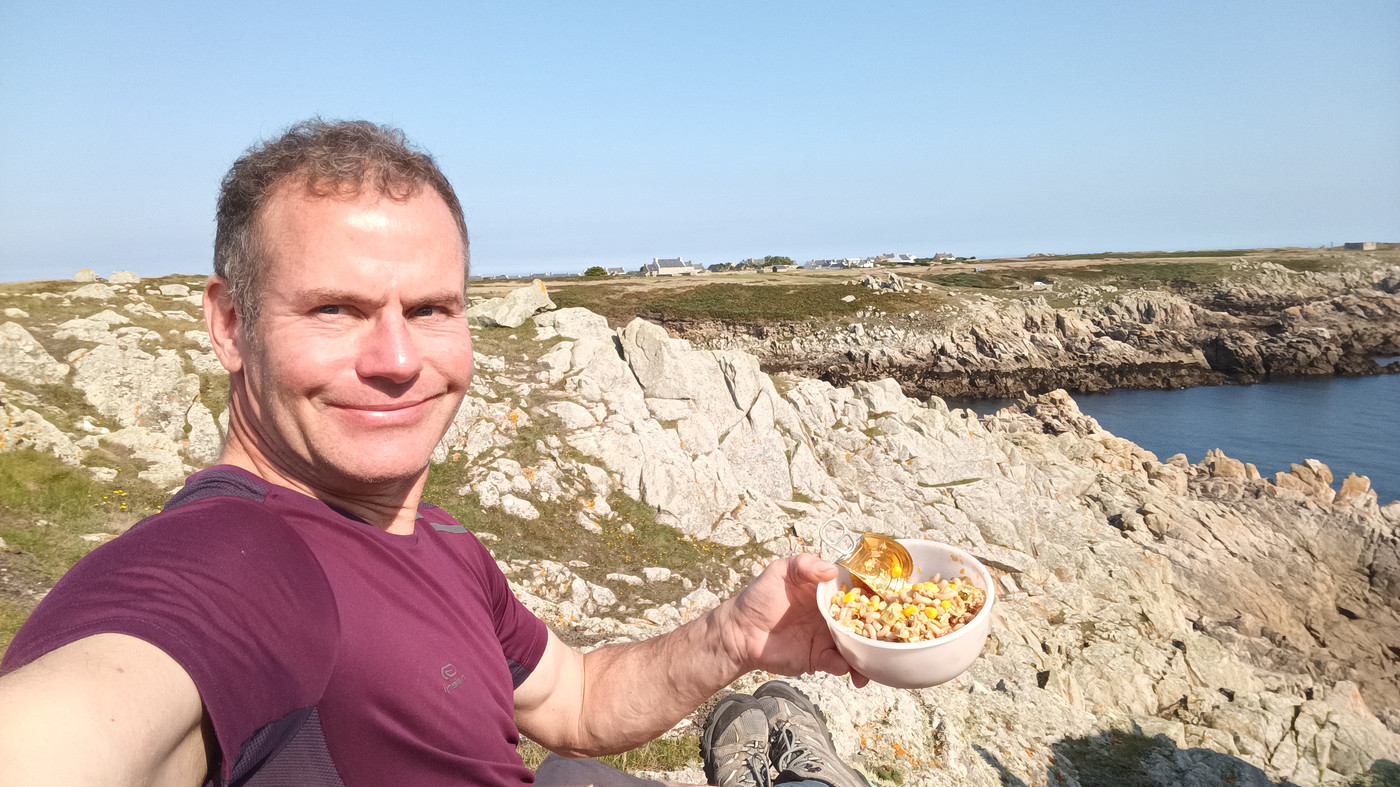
column 1259, row 319
column 1159, row 622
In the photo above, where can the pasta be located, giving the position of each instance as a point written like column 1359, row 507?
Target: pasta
column 924, row 611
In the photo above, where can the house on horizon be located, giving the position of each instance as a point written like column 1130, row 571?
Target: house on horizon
column 675, row 266
column 615, row 271
column 896, row 259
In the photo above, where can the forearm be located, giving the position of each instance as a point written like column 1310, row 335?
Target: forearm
column 635, row 692
column 105, row 710
column 616, row 698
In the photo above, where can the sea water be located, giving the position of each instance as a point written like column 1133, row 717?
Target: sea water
column 1352, row 424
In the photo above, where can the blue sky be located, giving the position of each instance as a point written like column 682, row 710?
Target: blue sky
column 610, row 133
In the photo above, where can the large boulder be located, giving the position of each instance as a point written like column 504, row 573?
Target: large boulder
column 83, row 329
column 513, row 310
column 23, row 358
column 95, row 291
column 28, row 429
column 159, row 451
column 138, row 389
column 574, row 323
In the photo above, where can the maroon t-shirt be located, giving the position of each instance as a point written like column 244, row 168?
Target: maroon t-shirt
column 326, row 651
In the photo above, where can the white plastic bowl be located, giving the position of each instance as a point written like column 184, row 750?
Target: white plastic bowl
column 917, row 665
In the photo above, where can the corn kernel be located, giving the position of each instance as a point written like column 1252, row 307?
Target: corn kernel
column 910, row 609
column 947, row 603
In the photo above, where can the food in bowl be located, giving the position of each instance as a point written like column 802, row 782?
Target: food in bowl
column 907, row 664
column 924, row 611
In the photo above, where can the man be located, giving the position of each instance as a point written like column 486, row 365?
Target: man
column 296, row 615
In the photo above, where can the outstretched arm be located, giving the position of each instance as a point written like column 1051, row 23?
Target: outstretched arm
column 109, row 709
column 619, row 697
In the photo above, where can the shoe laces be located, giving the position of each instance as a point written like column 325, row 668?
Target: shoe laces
column 756, row 763
column 794, row 755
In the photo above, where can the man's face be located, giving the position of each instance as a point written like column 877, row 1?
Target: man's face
column 362, row 354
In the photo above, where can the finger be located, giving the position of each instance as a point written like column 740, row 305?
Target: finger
column 808, row 569
column 858, row 680
column 831, row 661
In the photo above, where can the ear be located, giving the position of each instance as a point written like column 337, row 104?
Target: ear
column 221, row 320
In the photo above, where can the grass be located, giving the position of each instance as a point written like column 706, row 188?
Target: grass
column 11, row 616
column 630, row 539
column 662, row 754
column 1154, row 255
column 36, row 486
column 759, row 302
column 511, row 343
column 985, row 280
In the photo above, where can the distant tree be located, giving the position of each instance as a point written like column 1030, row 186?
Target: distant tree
column 595, row 271
column 778, row 261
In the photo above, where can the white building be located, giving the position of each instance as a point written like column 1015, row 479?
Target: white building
column 670, row 267
column 897, row 259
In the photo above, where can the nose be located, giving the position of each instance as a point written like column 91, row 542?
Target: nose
column 389, row 351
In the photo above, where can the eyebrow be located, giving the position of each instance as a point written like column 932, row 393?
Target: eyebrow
column 333, row 295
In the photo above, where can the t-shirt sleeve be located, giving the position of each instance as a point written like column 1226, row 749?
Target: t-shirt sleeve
column 522, row 635
column 226, row 589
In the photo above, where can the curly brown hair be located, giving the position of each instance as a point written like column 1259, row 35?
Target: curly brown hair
column 339, row 159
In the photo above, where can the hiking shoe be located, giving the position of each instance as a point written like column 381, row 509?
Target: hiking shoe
column 734, row 744
column 800, row 745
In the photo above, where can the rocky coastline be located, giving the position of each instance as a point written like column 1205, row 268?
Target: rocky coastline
column 1158, row 622
column 1262, row 321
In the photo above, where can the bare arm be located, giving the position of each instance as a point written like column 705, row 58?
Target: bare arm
column 616, row 698
column 109, row 709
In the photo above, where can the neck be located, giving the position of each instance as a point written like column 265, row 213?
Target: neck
column 389, row 504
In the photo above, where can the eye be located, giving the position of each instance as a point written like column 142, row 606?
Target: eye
column 425, row 311
column 329, row 309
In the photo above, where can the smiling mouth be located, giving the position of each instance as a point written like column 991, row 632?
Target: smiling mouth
column 384, row 407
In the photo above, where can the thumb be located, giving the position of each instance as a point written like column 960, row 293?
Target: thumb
column 808, row 569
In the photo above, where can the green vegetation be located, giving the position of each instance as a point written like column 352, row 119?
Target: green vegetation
column 595, row 271
column 11, row 617
column 37, row 488
column 1113, row 758
column 1129, row 274
column 1382, row 773
column 629, row 539
column 513, row 342
column 737, row 302
column 45, row 509
column 662, row 754
column 1145, row 255
column 889, row 773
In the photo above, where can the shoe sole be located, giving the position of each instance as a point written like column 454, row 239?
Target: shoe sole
column 720, row 717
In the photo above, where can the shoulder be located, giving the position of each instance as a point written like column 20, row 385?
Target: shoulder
column 185, row 578
column 222, row 514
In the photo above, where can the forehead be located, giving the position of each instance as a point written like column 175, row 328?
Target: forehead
column 304, row 233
